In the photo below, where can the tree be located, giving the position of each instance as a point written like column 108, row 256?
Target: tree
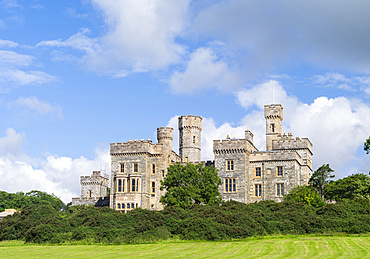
column 367, row 146
column 305, row 194
column 320, row 179
column 190, row 184
column 353, row 187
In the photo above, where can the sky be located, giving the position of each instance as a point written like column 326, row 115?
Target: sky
column 77, row 75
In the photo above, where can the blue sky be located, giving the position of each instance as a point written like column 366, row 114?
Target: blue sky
column 78, row 75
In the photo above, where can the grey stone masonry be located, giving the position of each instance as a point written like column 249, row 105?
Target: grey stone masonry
column 249, row 175
column 93, row 188
column 190, row 128
column 274, row 117
column 137, row 169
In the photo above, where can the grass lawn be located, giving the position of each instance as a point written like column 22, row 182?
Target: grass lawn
column 356, row 246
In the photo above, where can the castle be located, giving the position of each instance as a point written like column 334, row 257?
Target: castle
column 247, row 174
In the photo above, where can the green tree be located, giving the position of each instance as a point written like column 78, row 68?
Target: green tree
column 305, row 194
column 353, row 187
column 190, row 184
column 367, row 146
column 320, row 179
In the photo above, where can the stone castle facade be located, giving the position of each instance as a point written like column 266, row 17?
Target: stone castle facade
column 247, row 174
column 94, row 189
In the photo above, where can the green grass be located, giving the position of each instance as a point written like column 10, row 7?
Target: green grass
column 355, row 246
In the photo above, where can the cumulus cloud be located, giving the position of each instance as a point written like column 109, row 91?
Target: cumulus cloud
column 33, row 105
column 204, row 70
column 336, row 126
column 53, row 174
column 140, row 37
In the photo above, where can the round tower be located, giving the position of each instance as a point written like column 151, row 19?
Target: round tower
column 190, row 128
column 165, row 137
column 274, row 118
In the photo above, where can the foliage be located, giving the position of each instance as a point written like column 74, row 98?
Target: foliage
column 320, row 178
column 354, row 187
column 367, row 146
column 305, row 194
column 228, row 220
column 21, row 200
column 190, row 184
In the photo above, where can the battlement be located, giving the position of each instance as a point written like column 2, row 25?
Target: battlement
column 274, row 111
column 279, row 155
column 288, row 142
column 240, row 145
column 164, row 133
column 190, row 121
column 95, row 178
column 135, row 147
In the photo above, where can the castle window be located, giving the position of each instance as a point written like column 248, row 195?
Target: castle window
column 229, row 165
column 136, row 167
column 90, row 194
column 153, row 168
column 280, row 189
column 118, row 206
column 193, row 139
column 122, row 169
column 258, row 190
column 152, row 191
column 119, row 185
column 123, row 206
column 230, row 185
column 132, row 205
column 162, row 173
column 279, row 171
column 272, row 127
column 128, row 205
column 258, row 171
column 134, row 185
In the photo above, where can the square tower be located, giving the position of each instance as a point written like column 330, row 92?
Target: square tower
column 274, row 117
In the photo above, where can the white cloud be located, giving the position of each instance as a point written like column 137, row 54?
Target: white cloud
column 337, row 127
column 141, row 36
column 10, row 77
column 33, row 105
column 79, row 41
column 58, row 175
column 8, row 43
column 204, row 70
column 11, row 73
column 13, row 59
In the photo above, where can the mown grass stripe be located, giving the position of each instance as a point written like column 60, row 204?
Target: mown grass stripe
column 267, row 247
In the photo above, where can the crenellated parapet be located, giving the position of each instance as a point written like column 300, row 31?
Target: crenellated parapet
column 164, row 133
column 280, row 155
column 288, row 142
column 136, row 146
column 190, row 121
column 233, row 146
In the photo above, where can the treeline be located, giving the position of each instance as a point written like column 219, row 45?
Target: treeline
column 21, row 200
column 230, row 220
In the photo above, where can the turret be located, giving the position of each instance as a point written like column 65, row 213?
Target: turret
column 274, row 118
column 165, row 137
column 190, row 128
